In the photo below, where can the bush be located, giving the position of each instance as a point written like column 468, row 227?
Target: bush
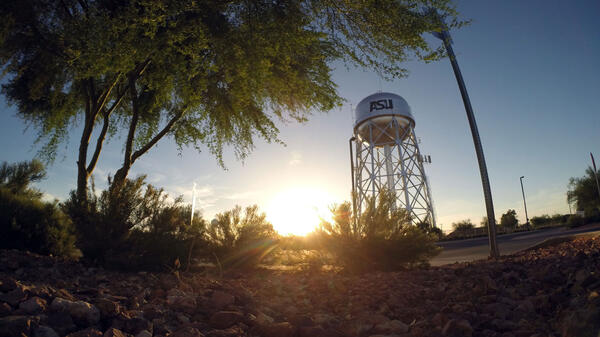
column 27, row 222
column 427, row 228
column 575, row 221
column 241, row 240
column 135, row 226
column 381, row 239
column 463, row 225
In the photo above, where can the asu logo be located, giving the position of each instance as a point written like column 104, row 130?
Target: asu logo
column 381, row 104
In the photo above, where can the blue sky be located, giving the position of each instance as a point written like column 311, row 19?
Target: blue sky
column 532, row 71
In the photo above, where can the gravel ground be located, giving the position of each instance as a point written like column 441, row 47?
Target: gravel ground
column 551, row 291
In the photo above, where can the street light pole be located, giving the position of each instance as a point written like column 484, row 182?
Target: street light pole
column 485, row 181
column 524, row 203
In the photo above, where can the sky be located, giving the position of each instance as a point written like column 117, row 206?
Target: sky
column 533, row 76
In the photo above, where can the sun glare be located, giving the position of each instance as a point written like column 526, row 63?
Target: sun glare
column 299, row 211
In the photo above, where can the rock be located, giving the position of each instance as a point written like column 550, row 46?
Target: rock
column 137, row 324
column 503, row 325
column 14, row 297
column 44, row 331
column 391, row 327
column 144, row 333
column 186, row 303
column 263, row 319
column 89, row 332
column 8, row 284
column 458, row 328
column 498, row 310
column 220, row 300
column 11, row 326
column 80, row 311
column 187, row 332
column 317, row 331
column 5, row 309
column 225, row 319
column 107, row 307
column 33, row 305
column 61, row 322
column 526, row 306
column 276, row 329
column 112, row 332
column 582, row 322
column 439, row 320
column 231, row 332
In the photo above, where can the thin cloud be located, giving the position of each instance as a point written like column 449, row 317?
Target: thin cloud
column 241, row 196
column 296, row 158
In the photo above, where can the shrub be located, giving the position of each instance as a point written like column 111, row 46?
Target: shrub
column 575, row 221
column 463, row 225
column 381, row 239
column 27, row 222
column 241, row 240
column 135, row 226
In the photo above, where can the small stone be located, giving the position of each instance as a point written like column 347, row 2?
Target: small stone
column 16, row 325
column 5, row 309
column 136, row 324
column 502, row 325
column 80, row 311
column 220, row 299
column 44, row 331
column 231, row 332
column 61, row 322
column 187, row 332
column 144, row 333
column 33, row 305
column 112, row 332
column 317, row 331
column 8, row 284
column 225, row 319
column 14, row 297
column 186, row 303
column 391, row 327
column 107, row 307
column 263, row 319
column 458, row 328
column 277, row 330
column 439, row 320
column 89, row 332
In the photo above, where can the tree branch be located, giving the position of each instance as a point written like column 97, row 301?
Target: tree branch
column 99, row 143
column 101, row 101
column 158, row 136
column 134, row 120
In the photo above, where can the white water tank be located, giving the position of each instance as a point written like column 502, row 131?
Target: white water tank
column 375, row 112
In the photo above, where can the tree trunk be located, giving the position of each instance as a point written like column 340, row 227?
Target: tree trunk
column 82, row 173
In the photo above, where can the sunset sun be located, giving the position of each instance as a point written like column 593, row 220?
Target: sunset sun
column 298, row 211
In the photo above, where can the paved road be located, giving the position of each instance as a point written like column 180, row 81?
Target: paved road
column 478, row 248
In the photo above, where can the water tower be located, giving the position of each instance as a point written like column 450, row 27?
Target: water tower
column 388, row 156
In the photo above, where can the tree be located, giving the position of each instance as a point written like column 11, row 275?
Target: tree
column 463, row 225
column 509, row 219
column 18, row 177
column 208, row 74
column 27, row 222
column 584, row 193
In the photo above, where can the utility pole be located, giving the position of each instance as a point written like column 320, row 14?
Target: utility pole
column 524, row 203
column 487, row 192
